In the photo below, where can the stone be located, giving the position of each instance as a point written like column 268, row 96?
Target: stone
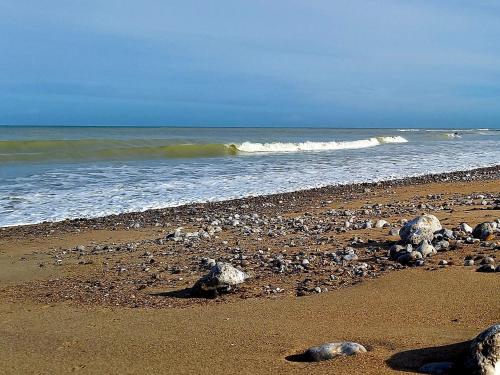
column 221, row 279
column 437, row 368
column 488, row 260
column 381, row 223
column 421, row 228
column 405, row 258
column 350, row 257
column 484, row 353
column 466, row 228
column 443, row 262
column 486, row 268
column 395, row 250
column 468, row 262
column 447, row 233
column 484, row 231
column 394, row 232
column 332, row 350
column 426, row 249
column 442, row 245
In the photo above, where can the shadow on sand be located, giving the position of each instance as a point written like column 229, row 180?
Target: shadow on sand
column 298, row 358
column 185, row 293
column 412, row 360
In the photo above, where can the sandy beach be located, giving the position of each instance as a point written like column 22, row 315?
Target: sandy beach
column 112, row 295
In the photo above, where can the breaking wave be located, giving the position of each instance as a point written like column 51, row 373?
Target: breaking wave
column 251, row 147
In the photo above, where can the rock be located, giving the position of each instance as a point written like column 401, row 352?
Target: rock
column 208, row 262
column 484, row 353
column 395, row 250
column 442, row 245
column 221, row 279
column 488, row 260
column 466, row 228
column 350, row 257
column 468, row 262
column 405, row 258
column 420, row 229
column 426, row 249
column 443, row 262
column 381, row 223
column 331, row 350
column 484, row 231
column 80, row 248
column 437, row 368
column 486, row 268
column 394, row 232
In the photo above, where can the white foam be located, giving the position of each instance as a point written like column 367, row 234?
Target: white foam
column 316, row 146
column 306, row 146
column 395, row 139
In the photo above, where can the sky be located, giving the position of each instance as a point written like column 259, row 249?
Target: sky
column 352, row 63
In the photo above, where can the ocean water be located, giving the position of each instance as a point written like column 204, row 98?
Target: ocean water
column 54, row 173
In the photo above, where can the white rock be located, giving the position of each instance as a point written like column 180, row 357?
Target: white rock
column 484, row 353
column 381, row 223
column 331, row 350
column 419, row 229
column 466, row 228
column 221, row 278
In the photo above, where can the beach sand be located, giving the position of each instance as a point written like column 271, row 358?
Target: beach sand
column 51, row 321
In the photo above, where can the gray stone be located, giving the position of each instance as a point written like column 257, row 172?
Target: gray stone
column 437, row 368
column 488, row 260
column 349, row 257
column 332, row 350
column 421, row 228
column 442, row 245
column 486, row 268
column 484, row 353
column 426, row 249
column 468, row 262
column 483, row 231
column 395, row 250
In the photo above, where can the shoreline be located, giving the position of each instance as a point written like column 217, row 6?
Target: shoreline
column 483, row 173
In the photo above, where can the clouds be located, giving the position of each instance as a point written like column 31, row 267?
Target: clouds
column 324, row 63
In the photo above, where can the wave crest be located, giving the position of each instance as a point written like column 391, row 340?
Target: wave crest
column 274, row 147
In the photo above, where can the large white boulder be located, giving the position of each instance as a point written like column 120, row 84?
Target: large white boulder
column 420, row 229
column 221, row 278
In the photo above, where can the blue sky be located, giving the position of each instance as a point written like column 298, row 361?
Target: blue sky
column 262, row 63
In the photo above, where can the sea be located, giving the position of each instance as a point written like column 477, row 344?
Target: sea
column 57, row 173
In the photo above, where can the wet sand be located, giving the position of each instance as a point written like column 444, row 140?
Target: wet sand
column 405, row 316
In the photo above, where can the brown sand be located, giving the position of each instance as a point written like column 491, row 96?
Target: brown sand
column 413, row 309
column 404, row 318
